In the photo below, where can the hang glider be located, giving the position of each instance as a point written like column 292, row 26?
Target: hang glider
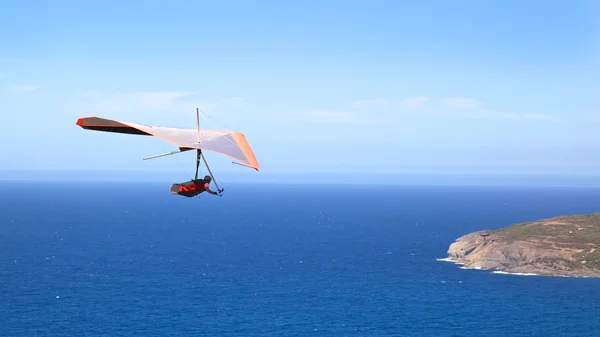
column 228, row 143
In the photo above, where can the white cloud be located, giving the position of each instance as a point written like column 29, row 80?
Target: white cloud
column 365, row 103
column 134, row 101
column 409, row 103
column 461, row 103
column 414, row 102
column 471, row 108
column 336, row 117
column 170, row 104
column 142, row 102
column 454, row 107
column 22, row 89
column 360, row 112
column 384, row 111
column 540, row 117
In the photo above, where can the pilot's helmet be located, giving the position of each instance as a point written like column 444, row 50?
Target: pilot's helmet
column 207, row 178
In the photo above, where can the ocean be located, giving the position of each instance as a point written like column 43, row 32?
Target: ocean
column 130, row 259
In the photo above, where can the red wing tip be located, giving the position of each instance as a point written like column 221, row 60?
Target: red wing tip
column 80, row 120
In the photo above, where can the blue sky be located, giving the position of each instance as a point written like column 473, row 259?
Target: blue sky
column 358, row 86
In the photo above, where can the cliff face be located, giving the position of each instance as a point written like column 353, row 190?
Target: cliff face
column 561, row 246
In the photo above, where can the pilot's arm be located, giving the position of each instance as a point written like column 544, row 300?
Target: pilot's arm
column 208, row 189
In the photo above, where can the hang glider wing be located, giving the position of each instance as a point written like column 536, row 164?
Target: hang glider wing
column 228, row 143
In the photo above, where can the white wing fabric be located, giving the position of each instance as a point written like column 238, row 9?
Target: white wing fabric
column 229, row 143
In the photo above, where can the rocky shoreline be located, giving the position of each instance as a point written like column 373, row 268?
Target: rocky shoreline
column 561, row 246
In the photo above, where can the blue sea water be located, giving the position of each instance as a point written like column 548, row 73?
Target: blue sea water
column 124, row 259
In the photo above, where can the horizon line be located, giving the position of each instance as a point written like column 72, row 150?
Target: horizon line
column 263, row 172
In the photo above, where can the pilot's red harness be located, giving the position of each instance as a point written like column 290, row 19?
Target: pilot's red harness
column 189, row 188
column 196, row 186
